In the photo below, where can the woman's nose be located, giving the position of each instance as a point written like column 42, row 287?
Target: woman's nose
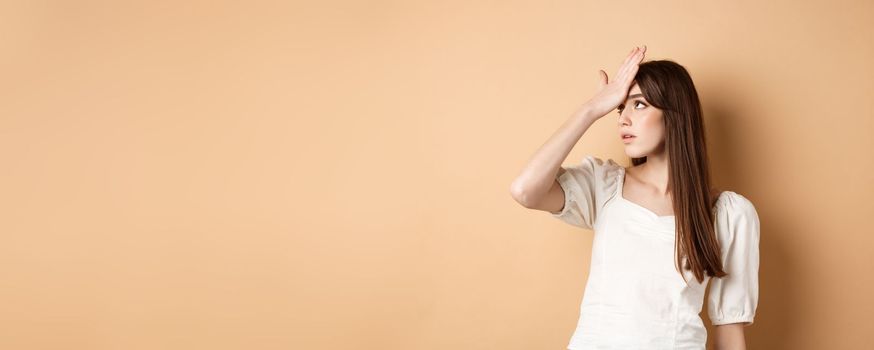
column 623, row 119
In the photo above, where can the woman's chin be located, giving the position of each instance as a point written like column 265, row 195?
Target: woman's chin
column 632, row 153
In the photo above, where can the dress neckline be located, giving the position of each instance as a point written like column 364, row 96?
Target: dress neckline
column 645, row 209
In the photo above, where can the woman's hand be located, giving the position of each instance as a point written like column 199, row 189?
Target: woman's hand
column 612, row 94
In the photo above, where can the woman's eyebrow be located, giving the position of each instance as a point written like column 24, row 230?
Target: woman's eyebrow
column 633, row 96
column 629, row 98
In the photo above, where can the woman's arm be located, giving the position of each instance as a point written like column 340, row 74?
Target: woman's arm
column 534, row 187
column 729, row 337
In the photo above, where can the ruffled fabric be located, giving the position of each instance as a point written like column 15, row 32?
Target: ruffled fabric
column 734, row 298
column 587, row 187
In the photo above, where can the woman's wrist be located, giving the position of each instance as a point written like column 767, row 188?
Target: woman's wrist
column 587, row 112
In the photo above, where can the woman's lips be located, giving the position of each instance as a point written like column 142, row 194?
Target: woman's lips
column 628, row 139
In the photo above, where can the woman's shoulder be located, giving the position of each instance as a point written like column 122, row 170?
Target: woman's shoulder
column 731, row 206
column 732, row 199
column 600, row 174
column 607, row 174
column 603, row 167
column 736, row 220
column 601, row 161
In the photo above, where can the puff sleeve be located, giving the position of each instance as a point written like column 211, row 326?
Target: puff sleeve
column 734, row 297
column 586, row 186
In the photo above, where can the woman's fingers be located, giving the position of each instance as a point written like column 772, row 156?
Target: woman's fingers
column 629, row 57
column 639, row 56
column 634, row 67
column 629, row 61
column 629, row 68
column 630, row 75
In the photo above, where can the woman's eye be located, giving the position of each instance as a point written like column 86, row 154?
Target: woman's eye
column 621, row 107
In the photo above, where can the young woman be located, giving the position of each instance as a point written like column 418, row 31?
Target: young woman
column 660, row 230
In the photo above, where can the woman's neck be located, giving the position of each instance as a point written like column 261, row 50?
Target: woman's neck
column 655, row 172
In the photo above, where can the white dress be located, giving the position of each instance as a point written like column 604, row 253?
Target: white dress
column 634, row 297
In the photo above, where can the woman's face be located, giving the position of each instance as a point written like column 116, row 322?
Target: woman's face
column 637, row 117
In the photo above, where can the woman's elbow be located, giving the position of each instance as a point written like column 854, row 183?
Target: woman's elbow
column 729, row 337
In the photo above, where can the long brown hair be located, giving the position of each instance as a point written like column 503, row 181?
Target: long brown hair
column 668, row 86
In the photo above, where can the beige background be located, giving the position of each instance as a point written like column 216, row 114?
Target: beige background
column 335, row 175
